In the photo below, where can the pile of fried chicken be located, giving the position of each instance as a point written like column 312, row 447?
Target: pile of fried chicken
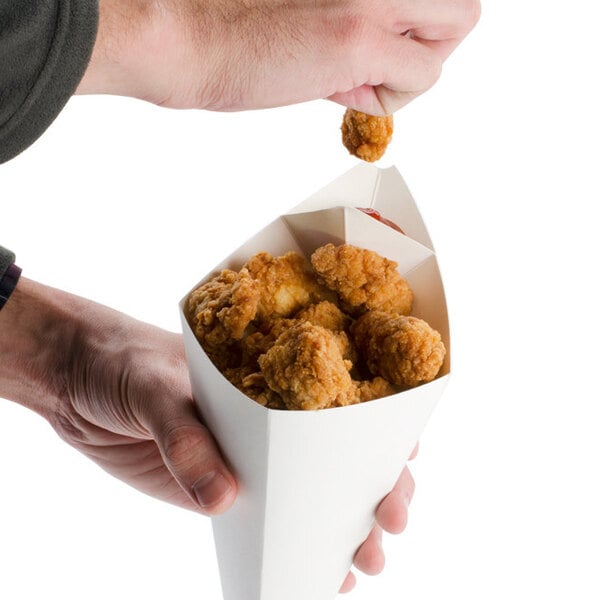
column 300, row 336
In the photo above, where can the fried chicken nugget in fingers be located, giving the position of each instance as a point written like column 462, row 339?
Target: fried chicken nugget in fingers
column 306, row 368
column 363, row 279
column 219, row 311
column 404, row 350
column 365, row 136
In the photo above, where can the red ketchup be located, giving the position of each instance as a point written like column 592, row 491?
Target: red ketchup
column 375, row 214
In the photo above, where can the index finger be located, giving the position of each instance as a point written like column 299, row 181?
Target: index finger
column 439, row 24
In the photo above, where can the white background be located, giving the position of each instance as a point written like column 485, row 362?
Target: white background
column 127, row 203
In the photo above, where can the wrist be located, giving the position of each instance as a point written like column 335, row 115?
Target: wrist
column 123, row 25
column 36, row 333
column 183, row 54
column 138, row 46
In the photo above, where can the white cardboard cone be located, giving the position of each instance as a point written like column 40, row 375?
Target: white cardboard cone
column 310, row 481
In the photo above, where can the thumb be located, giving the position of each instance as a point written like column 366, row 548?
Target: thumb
column 193, row 458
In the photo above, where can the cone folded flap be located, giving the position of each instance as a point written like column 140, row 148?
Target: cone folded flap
column 310, row 481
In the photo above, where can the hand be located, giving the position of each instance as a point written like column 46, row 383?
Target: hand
column 391, row 516
column 117, row 390
column 229, row 55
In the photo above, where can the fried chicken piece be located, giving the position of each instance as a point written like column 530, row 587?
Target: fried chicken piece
column 219, row 311
column 366, row 136
column 326, row 314
column 372, row 389
column 305, row 366
column 346, row 346
column 258, row 342
column 363, row 279
column 286, row 284
column 253, row 384
column 404, row 350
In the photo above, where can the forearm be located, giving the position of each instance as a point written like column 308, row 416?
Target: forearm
column 140, row 45
column 37, row 328
column 228, row 55
column 123, row 25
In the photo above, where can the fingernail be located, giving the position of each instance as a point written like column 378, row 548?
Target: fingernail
column 211, row 488
column 406, row 500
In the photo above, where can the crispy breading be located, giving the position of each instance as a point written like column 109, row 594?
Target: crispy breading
column 219, row 312
column 371, row 389
column 258, row 342
column 306, row 368
column 326, row 314
column 404, row 350
column 363, row 279
column 286, row 284
column 252, row 383
column 366, row 136
column 276, row 331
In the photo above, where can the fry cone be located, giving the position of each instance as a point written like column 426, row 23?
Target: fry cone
column 310, row 481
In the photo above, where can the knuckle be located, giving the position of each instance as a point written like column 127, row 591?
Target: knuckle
column 69, row 427
column 429, row 72
column 471, row 13
column 435, row 71
column 184, row 444
column 350, row 29
column 475, row 12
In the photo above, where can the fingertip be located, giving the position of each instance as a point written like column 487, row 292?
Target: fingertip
column 392, row 514
column 377, row 565
column 193, row 458
column 348, row 584
column 215, row 492
column 370, row 558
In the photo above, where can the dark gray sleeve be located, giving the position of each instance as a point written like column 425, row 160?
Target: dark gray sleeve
column 6, row 259
column 45, row 46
